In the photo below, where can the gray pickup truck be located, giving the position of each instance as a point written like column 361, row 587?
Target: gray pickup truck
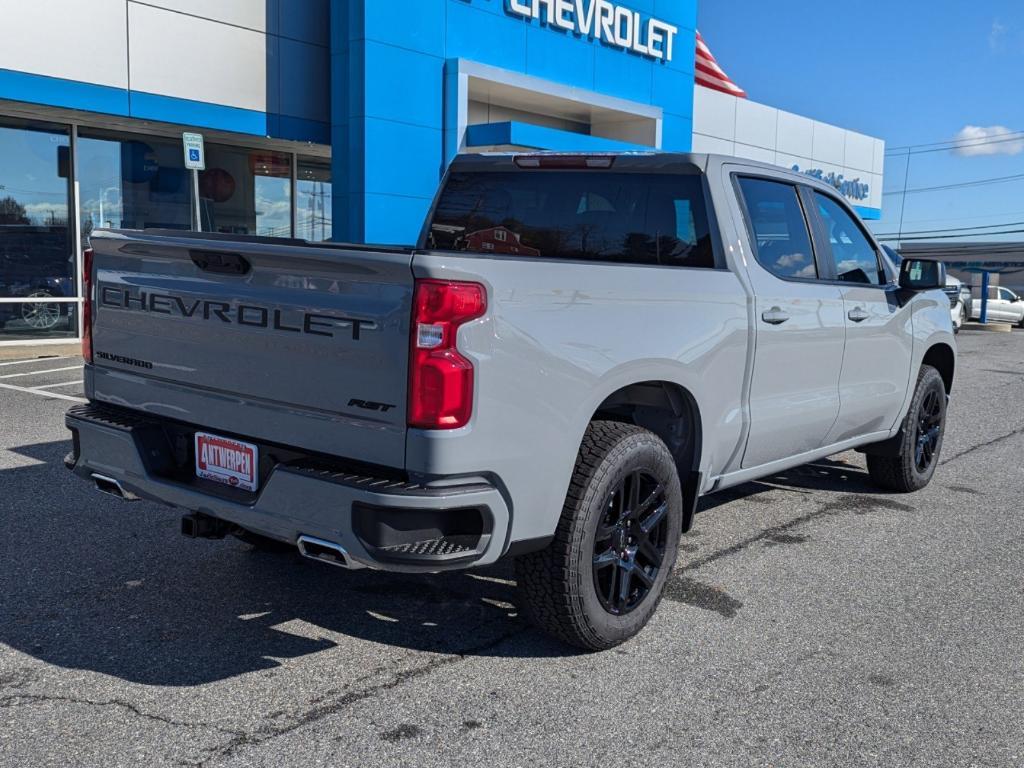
column 578, row 349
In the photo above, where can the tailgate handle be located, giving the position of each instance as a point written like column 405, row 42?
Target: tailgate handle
column 217, row 261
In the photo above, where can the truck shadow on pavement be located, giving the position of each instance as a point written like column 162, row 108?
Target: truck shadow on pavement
column 90, row 582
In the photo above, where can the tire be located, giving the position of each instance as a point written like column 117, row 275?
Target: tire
column 41, row 315
column 600, row 580
column 921, row 438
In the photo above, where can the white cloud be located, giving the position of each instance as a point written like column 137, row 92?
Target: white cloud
column 975, row 141
column 996, row 35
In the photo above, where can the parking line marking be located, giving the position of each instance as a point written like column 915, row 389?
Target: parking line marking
column 62, row 384
column 43, row 393
column 36, row 360
column 39, row 373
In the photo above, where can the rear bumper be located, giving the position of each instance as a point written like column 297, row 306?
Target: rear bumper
column 377, row 521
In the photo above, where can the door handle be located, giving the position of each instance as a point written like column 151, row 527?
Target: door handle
column 858, row 315
column 774, row 316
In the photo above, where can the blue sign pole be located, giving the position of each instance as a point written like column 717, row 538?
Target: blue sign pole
column 984, row 298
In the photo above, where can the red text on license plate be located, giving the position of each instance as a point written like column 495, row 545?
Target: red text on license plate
column 227, row 461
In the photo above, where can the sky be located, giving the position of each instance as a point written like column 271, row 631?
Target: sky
column 912, row 72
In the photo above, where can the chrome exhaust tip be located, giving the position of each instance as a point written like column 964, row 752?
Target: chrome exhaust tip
column 324, row 551
column 112, row 487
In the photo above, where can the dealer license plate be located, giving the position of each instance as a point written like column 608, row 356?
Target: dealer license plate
column 227, row 461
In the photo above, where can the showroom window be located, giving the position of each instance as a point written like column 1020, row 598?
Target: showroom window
column 38, row 285
column 313, row 200
column 246, row 191
column 131, row 182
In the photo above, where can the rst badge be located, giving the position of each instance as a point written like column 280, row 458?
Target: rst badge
column 226, row 461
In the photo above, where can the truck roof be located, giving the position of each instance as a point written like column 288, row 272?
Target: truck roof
column 635, row 161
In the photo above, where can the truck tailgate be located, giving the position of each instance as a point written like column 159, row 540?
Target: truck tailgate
column 297, row 344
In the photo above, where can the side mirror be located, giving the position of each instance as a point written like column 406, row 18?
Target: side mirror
column 922, row 274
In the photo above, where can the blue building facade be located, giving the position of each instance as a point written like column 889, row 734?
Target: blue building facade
column 414, row 82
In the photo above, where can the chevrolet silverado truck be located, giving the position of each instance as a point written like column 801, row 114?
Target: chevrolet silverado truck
column 578, row 348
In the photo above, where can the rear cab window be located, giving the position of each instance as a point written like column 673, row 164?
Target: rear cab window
column 583, row 215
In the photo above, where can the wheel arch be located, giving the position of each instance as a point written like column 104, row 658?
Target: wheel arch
column 670, row 411
column 942, row 357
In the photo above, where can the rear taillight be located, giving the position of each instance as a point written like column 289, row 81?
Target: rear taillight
column 440, row 378
column 87, row 305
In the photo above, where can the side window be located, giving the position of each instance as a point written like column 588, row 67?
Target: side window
column 779, row 229
column 1006, row 294
column 855, row 257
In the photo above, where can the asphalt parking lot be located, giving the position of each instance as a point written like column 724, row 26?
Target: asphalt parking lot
column 812, row 621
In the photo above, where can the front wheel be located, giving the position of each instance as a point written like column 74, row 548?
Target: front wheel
column 912, row 468
column 600, row 580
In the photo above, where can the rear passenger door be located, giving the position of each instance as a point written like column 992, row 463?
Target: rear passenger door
column 800, row 326
column 879, row 337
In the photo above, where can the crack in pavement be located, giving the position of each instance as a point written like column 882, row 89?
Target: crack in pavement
column 972, row 449
column 858, row 504
column 31, row 699
column 339, row 704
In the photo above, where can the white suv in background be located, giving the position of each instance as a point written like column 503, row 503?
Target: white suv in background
column 959, row 309
column 1004, row 305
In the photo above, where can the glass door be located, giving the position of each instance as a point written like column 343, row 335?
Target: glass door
column 38, row 264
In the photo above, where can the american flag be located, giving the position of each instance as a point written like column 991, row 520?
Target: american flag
column 710, row 75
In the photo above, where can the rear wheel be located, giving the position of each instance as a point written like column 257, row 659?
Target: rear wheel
column 600, row 580
column 912, row 468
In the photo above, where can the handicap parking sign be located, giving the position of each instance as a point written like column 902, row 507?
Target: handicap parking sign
column 193, row 144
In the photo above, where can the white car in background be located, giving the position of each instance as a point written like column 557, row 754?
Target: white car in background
column 1004, row 306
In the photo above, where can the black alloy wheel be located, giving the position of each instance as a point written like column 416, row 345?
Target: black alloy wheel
column 629, row 545
column 908, row 464
column 928, row 430
column 602, row 576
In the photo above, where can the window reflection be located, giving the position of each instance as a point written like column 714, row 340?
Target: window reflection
column 246, row 191
column 313, row 207
column 36, row 256
column 131, row 182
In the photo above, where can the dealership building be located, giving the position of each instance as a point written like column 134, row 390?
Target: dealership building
column 336, row 119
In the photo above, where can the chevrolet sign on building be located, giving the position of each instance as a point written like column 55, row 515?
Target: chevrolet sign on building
column 604, row 21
